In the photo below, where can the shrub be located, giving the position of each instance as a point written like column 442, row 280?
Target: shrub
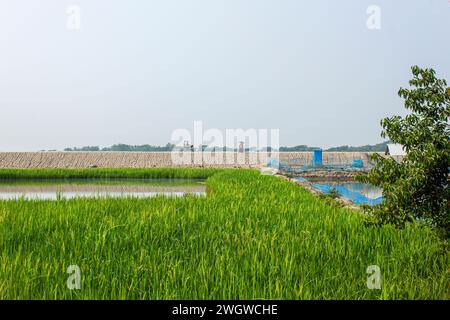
column 416, row 188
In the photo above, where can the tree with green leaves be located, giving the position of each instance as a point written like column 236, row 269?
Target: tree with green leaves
column 417, row 187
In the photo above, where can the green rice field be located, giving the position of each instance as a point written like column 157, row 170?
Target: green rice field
column 252, row 237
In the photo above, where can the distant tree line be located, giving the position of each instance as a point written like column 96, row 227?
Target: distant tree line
column 380, row 147
column 126, row 147
column 300, row 148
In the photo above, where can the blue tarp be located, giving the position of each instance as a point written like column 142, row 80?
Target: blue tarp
column 358, row 163
column 317, row 158
column 273, row 163
column 353, row 196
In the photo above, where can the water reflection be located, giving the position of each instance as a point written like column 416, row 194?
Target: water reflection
column 357, row 192
column 69, row 189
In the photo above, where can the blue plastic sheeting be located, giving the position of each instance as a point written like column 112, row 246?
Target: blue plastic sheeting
column 355, row 197
column 317, row 159
column 352, row 195
column 273, row 163
column 358, row 163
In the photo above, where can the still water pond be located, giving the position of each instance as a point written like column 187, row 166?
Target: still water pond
column 69, row 189
column 357, row 192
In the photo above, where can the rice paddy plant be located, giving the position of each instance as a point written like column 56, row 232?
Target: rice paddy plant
column 101, row 173
column 252, row 237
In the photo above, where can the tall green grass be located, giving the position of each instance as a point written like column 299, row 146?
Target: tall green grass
column 100, row 173
column 252, row 237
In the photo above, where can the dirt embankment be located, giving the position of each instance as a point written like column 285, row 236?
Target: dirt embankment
column 165, row 159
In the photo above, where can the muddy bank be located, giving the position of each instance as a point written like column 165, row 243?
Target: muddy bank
column 329, row 175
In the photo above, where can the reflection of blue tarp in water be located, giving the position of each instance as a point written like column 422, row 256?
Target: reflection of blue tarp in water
column 355, row 192
column 353, row 196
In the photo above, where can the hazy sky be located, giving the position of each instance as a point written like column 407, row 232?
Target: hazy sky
column 137, row 70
